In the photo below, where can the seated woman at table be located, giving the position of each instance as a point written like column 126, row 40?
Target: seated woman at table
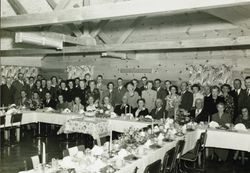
column 222, row 119
column 77, row 106
column 159, row 111
column 140, row 110
column 91, row 104
column 123, row 108
column 61, row 104
column 35, row 101
column 106, row 105
column 244, row 118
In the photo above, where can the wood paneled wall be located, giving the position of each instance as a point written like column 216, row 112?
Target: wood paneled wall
column 171, row 65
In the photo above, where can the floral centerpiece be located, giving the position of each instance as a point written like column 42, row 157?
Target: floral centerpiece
column 133, row 136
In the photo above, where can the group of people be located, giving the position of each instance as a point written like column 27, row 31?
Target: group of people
column 156, row 98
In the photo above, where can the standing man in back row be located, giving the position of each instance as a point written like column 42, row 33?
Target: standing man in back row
column 186, row 97
column 119, row 92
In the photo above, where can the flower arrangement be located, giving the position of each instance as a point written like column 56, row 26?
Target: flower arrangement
column 133, row 136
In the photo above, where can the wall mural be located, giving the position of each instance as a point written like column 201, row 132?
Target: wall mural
column 12, row 71
column 79, row 71
column 210, row 74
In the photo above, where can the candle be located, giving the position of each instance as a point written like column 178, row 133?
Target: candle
column 152, row 125
column 110, row 142
column 129, row 109
column 44, row 154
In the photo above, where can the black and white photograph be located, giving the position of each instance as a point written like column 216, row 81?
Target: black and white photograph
column 125, row 86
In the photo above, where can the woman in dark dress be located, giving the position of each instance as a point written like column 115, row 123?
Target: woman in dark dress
column 228, row 99
column 140, row 111
column 222, row 119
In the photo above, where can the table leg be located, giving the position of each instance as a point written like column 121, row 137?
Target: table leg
column 18, row 134
column 6, row 134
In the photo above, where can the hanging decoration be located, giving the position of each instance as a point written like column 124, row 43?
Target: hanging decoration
column 210, row 74
column 12, row 71
column 79, row 71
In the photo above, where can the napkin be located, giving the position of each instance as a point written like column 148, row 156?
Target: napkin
column 96, row 166
column 240, row 127
column 143, row 134
column 80, row 154
column 147, row 144
column 160, row 137
column 67, row 163
column 35, row 161
column 97, row 150
column 81, row 111
column 113, row 115
column 149, row 117
column 213, row 124
column 66, row 110
column 123, row 153
column 73, row 151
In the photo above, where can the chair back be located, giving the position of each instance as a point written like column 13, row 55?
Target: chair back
column 16, row 118
column 154, row 167
column 168, row 161
column 203, row 139
column 65, row 153
column 81, row 148
column 35, row 161
column 2, row 120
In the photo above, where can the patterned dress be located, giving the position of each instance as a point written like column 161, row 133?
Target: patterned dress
column 229, row 105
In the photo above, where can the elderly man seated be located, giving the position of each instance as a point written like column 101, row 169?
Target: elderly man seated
column 159, row 112
column 199, row 114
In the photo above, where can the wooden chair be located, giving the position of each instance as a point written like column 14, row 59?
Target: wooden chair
column 196, row 157
column 169, row 161
column 154, row 167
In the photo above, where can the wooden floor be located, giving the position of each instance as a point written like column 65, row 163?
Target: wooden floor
column 13, row 157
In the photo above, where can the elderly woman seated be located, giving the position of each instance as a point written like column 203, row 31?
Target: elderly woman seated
column 222, row 119
column 244, row 118
column 140, row 110
column 77, row 106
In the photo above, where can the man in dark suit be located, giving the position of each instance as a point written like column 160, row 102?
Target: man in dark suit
column 19, row 85
column 239, row 96
column 51, row 90
column 49, row 102
column 168, row 84
column 159, row 112
column 247, row 83
column 144, row 81
column 199, row 113
column 119, row 92
column 161, row 93
column 211, row 101
column 137, row 89
column 123, row 108
column 186, row 97
column 7, row 93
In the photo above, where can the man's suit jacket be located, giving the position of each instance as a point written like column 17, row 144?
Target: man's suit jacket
column 18, row 87
column 118, row 94
column 161, row 94
column 186, row 101
column 247, row 102
column 202, row 116
column 7, row 95
column 121, row 109
column 239, row 101
column 158, row 114
column 51, row 103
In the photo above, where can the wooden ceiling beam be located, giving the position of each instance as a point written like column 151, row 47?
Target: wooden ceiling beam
column 129, row 31
column 60, row 6
column 17, row 7
column 164, row 45
column 119, row 10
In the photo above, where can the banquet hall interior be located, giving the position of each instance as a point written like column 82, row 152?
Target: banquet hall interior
column 125, row 86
